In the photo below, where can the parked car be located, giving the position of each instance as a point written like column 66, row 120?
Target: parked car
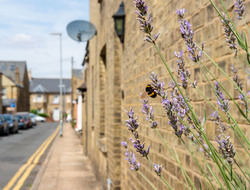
column 20, row 121
column 39, row 118
column 33, row 118
column 27, row 120
column 24, row 120
column 11, row 122
column 4, row 129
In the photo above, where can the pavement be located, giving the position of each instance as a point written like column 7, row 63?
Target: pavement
column 66, row 167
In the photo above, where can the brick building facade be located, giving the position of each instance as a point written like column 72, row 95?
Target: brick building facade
column 117, row 73
column 15, row 84
column 45, row 96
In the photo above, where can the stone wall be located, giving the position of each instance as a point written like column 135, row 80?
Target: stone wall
column 117, row 74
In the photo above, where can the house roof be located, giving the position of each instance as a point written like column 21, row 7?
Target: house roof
column 8, row 68
column 77, row 73
column 49, row 85
column 18, row 85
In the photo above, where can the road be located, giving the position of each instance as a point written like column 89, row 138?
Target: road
column 16, row 149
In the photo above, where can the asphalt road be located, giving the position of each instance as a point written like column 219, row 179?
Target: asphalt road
column 16, row 149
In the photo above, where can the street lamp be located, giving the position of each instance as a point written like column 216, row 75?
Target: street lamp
column 60, row 85
column 119, row 19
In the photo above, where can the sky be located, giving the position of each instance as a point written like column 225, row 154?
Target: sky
column 25, row 28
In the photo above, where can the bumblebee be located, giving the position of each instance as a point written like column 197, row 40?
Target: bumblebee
column 149, row 89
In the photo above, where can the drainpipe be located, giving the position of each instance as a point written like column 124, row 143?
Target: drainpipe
column 109, row 184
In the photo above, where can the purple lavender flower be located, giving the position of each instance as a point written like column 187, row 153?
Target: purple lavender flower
column 236, row 77
column 158, row 169
column 173, row 121
column 176, row 105
column 157, row 85
column 188, row 35
column 239, row 8
column 132, row 122
column 230, row 37
column 145, row 20
column 149, row 113
column 217, row 120
column 182, row 71
column 140, row 147
column 221, row 101
column 226, row 148
column 124, row 144
column 130, row 157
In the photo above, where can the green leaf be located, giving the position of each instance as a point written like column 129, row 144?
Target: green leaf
column 244, row 35
column 241, row 44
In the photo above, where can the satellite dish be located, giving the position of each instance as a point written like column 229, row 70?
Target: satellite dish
column 81, row 30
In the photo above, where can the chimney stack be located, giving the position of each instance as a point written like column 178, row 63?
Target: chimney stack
column 29, row 75
column 17, row 76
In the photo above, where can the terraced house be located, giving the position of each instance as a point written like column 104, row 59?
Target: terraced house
column 45, row 96
column 15, row 84
column 118, row 66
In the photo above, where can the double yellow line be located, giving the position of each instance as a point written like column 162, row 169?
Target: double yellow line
column 26, row 169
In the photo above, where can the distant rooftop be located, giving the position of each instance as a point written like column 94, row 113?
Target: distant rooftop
column 8, row 68
column 49, row 85
column 77, row 73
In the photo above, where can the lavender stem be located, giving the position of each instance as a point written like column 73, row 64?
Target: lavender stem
column 147, row 180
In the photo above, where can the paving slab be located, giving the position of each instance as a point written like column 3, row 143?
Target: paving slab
column 66, row 168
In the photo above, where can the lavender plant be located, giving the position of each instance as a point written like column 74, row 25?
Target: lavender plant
column 185, row 123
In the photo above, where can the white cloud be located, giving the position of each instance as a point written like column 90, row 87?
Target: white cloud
column 22, row 38
column 20, row 41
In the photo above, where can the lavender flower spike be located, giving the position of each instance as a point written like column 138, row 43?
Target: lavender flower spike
column 149, row 113
column 140, row 147
column 239, row 83
column 221, row 101
column 236, row 78
column 188, row 35
column 132, row 122
column 182, row 71
column 158, row 169
column 130, row 157
column 230, row 37
column 239, row 8
column 226, row 148
column 145, row 20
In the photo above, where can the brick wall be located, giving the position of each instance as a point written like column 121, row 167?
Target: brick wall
column 126, row 69
column 1, row 88
column 23, row 99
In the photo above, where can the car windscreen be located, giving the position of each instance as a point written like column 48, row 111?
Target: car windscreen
column 7, row 117
column 19, row 116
